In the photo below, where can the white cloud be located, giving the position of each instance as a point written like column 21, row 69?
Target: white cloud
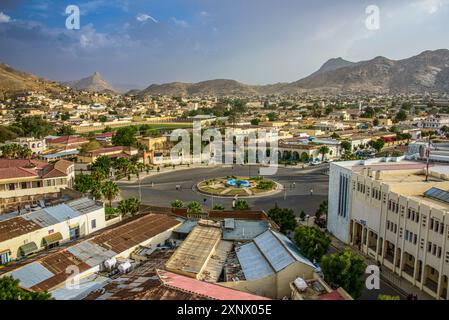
column 204, row 14
column 4, row 18
column 180, row 23
column 142, row 17
column 429, row 6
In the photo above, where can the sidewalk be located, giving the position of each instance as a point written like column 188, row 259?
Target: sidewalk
column 386, row 274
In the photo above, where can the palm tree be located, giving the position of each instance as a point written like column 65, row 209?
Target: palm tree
column 129, row 206
column 323, row 151
column 110, row 190
column 177, row 204
column 194, row 207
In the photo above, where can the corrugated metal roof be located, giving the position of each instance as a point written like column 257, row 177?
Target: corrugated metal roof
column 253, row 263
column 31, row 274
column 245, row 229
column 62, row 212
column 91, row 253
column 292, row 248
column 186, row 226
column 42, row 218
column 84, row 205
column 276, row 254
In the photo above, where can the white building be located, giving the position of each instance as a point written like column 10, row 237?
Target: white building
column 388, row 211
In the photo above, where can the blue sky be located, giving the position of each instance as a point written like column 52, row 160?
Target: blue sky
column 141, row 42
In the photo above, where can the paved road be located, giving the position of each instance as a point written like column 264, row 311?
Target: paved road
column 163, row 192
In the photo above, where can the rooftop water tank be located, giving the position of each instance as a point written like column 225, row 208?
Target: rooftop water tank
column 124, row 267
column 110, row 263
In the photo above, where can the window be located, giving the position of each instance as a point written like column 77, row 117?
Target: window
column 431, row 223
column 429, row 246
column 409, row 213
column 93, row 223
column 439, row 252
column 415, row 238
column 417, row 217
column 442, row 228
column 434, row 249
column 437, row 226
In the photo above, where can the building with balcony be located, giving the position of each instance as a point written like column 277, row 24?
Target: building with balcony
column 25, row 182
column 37, row 146
column 387, row 209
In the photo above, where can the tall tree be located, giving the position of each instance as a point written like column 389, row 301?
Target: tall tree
column 323, row 151
column 284, row 218
column 345, row 269
column 129, row 207
column 312, row 242
column 110, row 190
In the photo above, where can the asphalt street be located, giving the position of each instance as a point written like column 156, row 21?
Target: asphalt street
column 160, row 190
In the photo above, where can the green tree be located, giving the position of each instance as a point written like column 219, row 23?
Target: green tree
column 103, row 164
column 376, row 122
column 284, row 218
column 304, row 157
column 125, row 137
column 177, row 204
column 241, row 204
column 272, row 116
column 35, row 126
column 345, row 269
column 302, row 215
column 377, row 144
column 255, row 122
column 312, row 242
column 65, row 131
column 194, row 207
column 401, row 116
column 10, row 290
column 218, row 206
column 110, row 190
column 103, row 118
column 323, row 151
column 83, row 183
column 129, row 207
column 346, row 145
column 65, row 116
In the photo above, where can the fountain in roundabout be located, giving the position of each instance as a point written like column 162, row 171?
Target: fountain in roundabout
column 237, row 183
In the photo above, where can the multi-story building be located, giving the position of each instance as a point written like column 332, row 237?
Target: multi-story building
column 24, row 182
column 434, row 122
column 387, row 209
column 37, row 146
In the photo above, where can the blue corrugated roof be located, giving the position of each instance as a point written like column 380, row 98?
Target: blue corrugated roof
column 273, row 251
column 31, row 274
column 253, row 263
column 62, row 212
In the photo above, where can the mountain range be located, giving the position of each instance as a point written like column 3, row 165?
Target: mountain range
column 425, row 72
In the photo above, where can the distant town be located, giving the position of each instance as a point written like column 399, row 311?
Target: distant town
column 331, row 187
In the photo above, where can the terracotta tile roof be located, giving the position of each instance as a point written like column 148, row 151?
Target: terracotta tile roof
column 15, row 227
column 54, row 174
column 63, row 165
column 14, row 172
column 22, row 163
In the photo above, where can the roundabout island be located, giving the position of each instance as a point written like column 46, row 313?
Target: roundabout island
column 232, row 186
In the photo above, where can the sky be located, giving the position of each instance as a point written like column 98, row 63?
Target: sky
column 141, row 42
